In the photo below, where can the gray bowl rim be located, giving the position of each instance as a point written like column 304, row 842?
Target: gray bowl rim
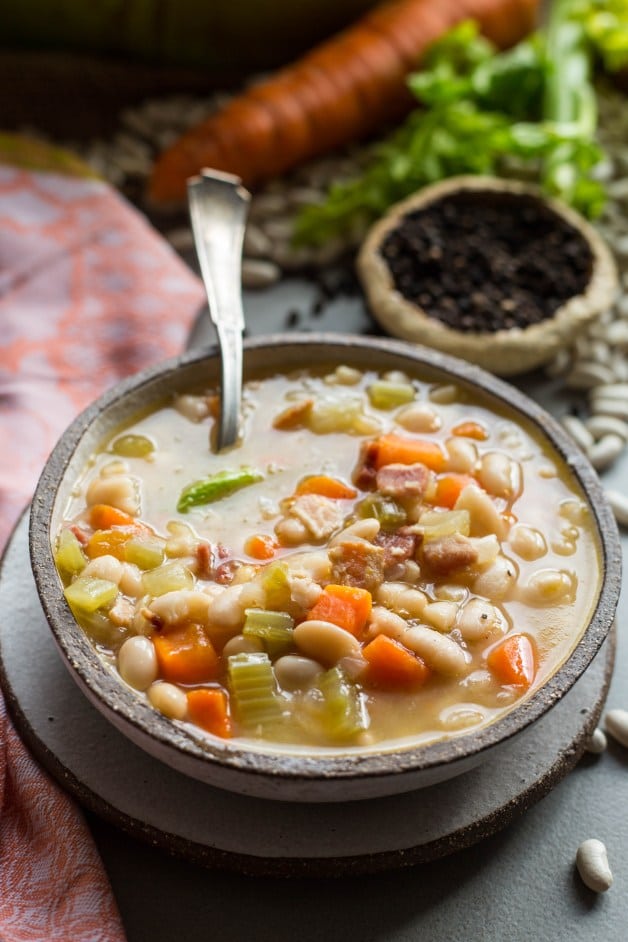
column 90, row 672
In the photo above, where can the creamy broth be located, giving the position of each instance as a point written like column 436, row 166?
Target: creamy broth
column 468, row 575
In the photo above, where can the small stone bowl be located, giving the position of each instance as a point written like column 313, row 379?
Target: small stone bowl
column 272, row 771
column 507, row 351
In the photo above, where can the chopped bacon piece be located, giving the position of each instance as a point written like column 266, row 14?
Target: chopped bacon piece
column 449, row 553
column 403, row 480
column 293, row 416
column 224, row 573
column 205, row 560
column 398, row 546
column 365, row 472
column 80, row 534
column 357, row 563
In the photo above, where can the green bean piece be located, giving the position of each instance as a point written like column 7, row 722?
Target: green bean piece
column 387, row 395
column 252, row 687
column 389, row 513
column 69, row 556
column 216, row 487
column 133, row 446
column 87, row 594
column 274, row 630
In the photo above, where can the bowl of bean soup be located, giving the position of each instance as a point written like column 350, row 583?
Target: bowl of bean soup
column 402, row 564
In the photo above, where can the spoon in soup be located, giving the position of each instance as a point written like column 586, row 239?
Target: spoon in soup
column 218, row 206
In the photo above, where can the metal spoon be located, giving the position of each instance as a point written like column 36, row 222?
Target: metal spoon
column 218, row 205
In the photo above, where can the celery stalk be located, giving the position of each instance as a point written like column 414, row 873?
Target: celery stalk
column 274, row 630
column 86, row 594
column 252, row 688
column 167, row 578
column 145, row 552
column 435, row 524
column 343, row 716
column 276, row 586
column 69, row 557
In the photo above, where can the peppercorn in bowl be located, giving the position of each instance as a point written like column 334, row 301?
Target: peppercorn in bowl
column 489, row 270
column 401, row 565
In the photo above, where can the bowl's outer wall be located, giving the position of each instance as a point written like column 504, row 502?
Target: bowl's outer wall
column 267, row 772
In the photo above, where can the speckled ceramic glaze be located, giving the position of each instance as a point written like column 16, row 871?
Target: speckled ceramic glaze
column 267, row 771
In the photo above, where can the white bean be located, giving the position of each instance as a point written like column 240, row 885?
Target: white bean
column 440, row 615
column 616, row 723
column 404, row 600
column 439, row 652
column 578, row 430
column 169, row 700
column 619, row 506
column 484, row 515
column 593, row 867
column 527, row 542
column 419, row 417
column 462, row 455
column 131, row 580
column 496, row 580
column 104, row 567
column 597, row 743
column 604, row 452
column 444, row 394
column 366, row 529
column 478, row 620
column 182, row 605
column 325, row 642
column 137, row 662
column 600, row 425
column 119, row 491
column 549, row 587
column 294, row 672
column 500, row 475
column 241, row 645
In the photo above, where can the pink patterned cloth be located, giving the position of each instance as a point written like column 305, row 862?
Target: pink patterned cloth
column 89, row 293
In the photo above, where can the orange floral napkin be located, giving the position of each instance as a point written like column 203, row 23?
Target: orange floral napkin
column 89, row 293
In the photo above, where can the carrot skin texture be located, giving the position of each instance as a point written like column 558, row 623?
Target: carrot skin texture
column 341, row 91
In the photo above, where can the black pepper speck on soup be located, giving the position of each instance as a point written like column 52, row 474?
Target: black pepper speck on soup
column 483, row 261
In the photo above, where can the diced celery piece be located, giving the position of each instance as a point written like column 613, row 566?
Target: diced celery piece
column 167, row 578
column 274, row 629
column 252, row 687
column 69, row 557
column 276, row 586
column 145, row 552
column 341, row 415
column 387, row 395
column 133, row 446
column 389, row 513
column 87, row 594
column 343, row 715
column 435, row 524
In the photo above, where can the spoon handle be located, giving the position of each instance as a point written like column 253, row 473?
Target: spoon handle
column 218, row 208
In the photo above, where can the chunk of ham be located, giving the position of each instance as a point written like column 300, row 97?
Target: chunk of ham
column 365, row 472
column 357, row 563
column 449, row 554
column 398, row 546
column 402, row 480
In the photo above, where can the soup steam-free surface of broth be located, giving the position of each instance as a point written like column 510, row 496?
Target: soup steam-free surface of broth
column 381, row 561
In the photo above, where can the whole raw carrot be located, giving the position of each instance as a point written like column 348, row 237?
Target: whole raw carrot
column 341, row 91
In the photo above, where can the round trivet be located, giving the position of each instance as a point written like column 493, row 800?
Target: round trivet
column 151, row 801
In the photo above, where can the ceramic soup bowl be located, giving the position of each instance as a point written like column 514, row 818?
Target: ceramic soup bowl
column 491, row 583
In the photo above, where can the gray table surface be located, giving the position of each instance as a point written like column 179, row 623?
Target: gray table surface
column 518, row 885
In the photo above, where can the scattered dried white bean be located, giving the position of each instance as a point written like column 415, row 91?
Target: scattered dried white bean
column 587, row 374
column 578, row 431
column 600, row 425
column 256, row 242
column 597, row 743
column 259, row 274
column 619, row 505
column 592, row 864
column 614, row 407
column 616, row 723
column 605, row 451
